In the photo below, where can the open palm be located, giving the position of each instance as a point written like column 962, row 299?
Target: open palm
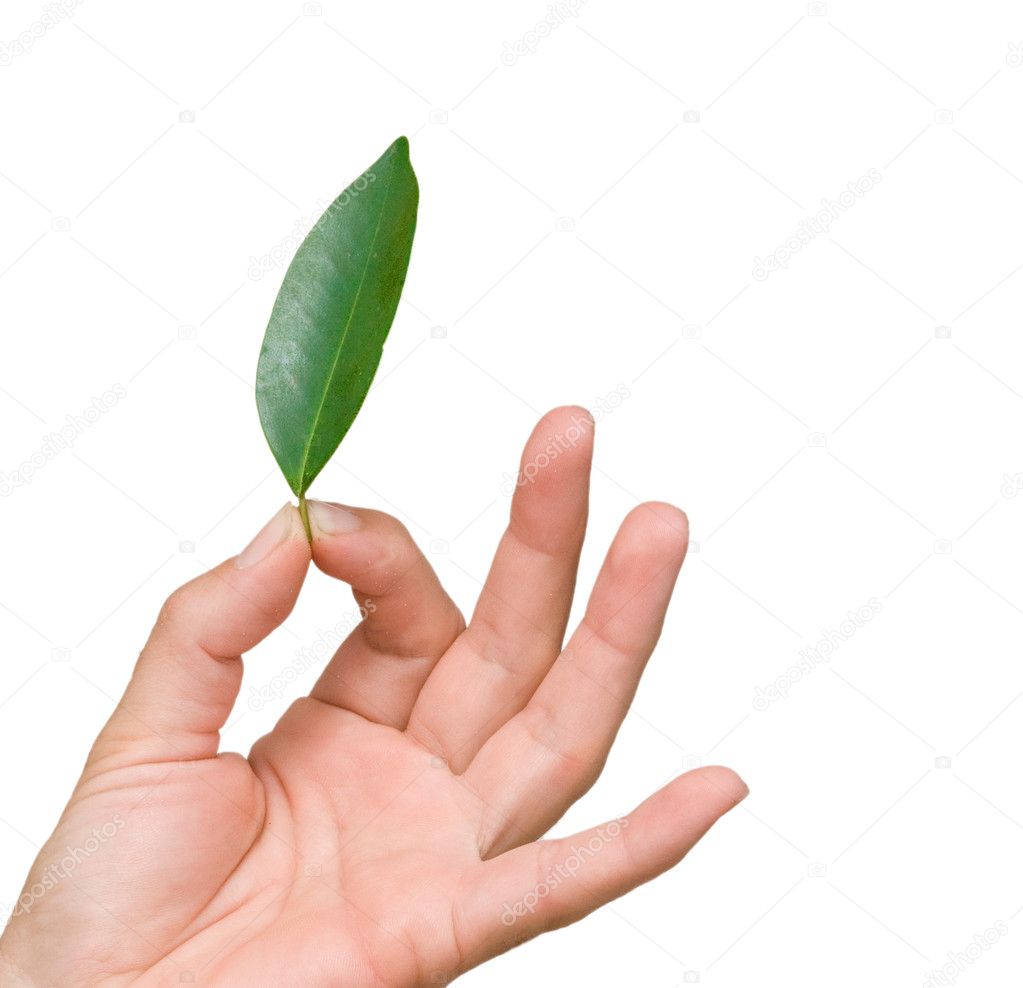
column 386, row 832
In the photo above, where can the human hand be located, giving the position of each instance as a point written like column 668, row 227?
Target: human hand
column 386, row 832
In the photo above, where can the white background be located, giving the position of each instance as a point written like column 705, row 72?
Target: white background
column 590, row 218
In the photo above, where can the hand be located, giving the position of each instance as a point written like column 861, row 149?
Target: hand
column 385, row 833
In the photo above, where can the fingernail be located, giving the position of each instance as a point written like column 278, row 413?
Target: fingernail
column 276, row 530
column 737, row 787
column 332, row 519
column 727, row 782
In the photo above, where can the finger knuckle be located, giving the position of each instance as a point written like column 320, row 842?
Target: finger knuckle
column 178, row 605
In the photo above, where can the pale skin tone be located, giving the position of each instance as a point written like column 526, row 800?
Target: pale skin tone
column 388, row 831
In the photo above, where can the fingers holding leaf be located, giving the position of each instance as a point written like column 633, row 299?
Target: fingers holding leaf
column 407, row 620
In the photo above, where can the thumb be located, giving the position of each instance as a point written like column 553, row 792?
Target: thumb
column 189, row 673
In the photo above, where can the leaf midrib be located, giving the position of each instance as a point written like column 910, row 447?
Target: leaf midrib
column 344, row 335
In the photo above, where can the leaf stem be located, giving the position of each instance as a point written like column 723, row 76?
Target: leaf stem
column 303, row 510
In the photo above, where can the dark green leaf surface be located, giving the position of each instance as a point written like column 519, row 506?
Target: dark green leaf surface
column 332, row 315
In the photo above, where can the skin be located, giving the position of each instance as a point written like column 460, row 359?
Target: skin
column 387, row 831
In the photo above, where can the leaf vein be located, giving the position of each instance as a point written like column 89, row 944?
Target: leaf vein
column 303, row 483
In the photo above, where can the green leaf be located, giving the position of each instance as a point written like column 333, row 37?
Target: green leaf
column 332, row 315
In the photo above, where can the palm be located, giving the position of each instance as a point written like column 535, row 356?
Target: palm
column 383, row 833
column 372, row 838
